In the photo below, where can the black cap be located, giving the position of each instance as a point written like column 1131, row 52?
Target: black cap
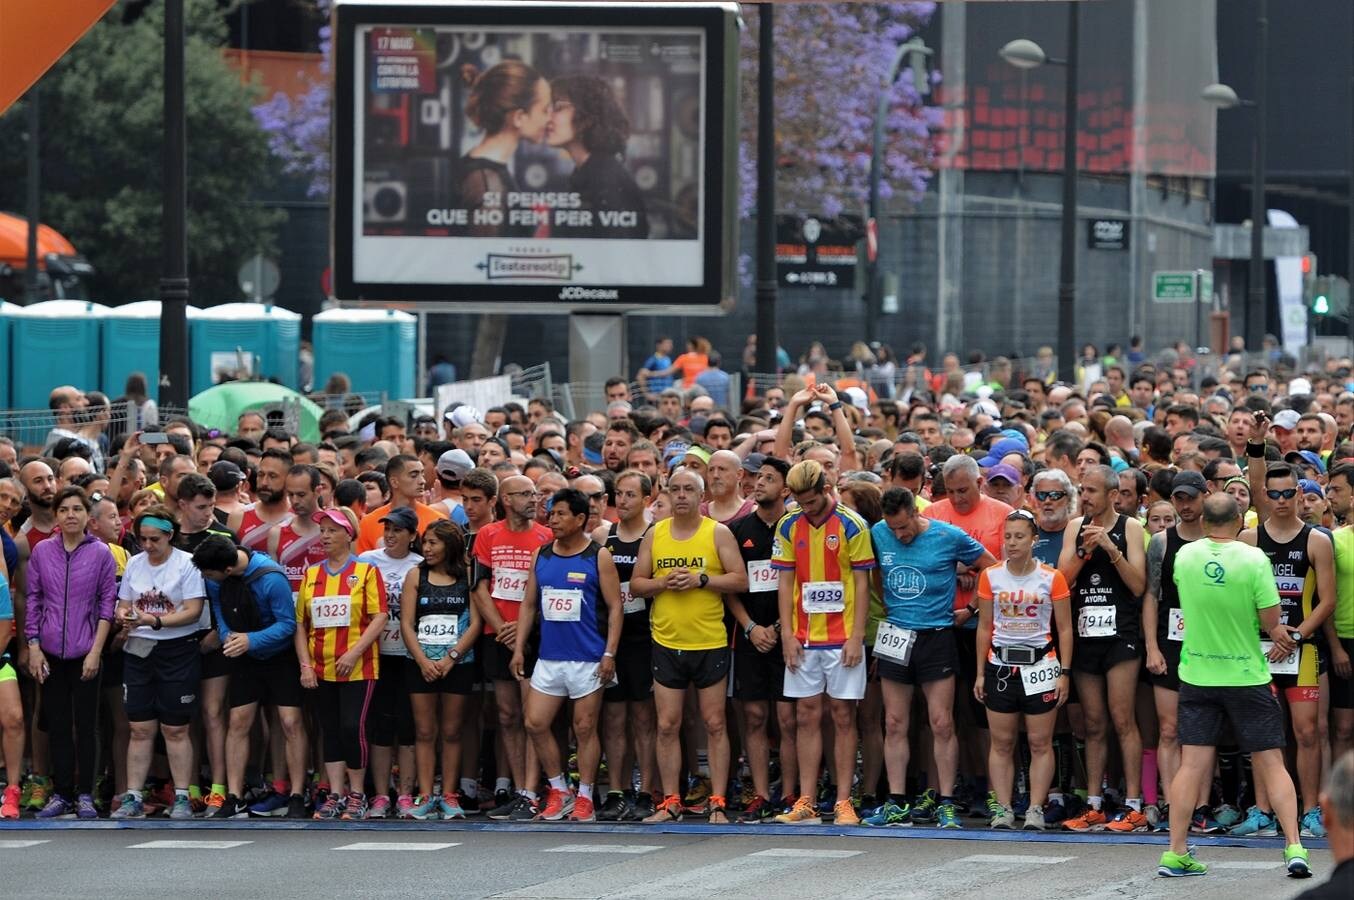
column 753, row 462
column 1190, row 482
column 402, row 517
column 225, row 475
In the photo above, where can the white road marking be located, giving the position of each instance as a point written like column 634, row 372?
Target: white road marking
column 19, row 845
column 798, row 853
column 603, row 848
column 188, row 845
column 396, row 845
column 1251, row 864
column 997, row 859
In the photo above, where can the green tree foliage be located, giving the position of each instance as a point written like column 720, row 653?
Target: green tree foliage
column 102, row 111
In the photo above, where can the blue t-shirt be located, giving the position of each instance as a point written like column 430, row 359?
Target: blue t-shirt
column 6, row 605
column 658, row 363
column 1048, row 546
column 11, row 554
column 572, row 608
column 919, row 578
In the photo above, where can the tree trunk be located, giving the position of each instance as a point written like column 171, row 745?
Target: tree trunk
column 490, row 334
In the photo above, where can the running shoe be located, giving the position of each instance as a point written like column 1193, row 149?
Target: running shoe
column 584, row 811
column 403, row 804
column 273, row 805
column 130, row 808
column 947, row 816
column 354, row 807
column 524, row 810
column 890, row 815
column 1153, row 814
column 1227, row 815
column 380, row 807
column 233, row 808
column 470, row 806
column 697, row 796
column 1202, row 822
column 844, row 813
column 424, row 808
column 197, row 804
column 1054, row 812
column 85, row 808
column 992, row 806
column 558, row 805
column 804, row 812
column 669, row 810
column 1257, row 823
column 717, row 810
column 1128, row 821
column 756, row 812
column 182, row 808
column 924, row 810
column 1312, row 826
column 9, row 807
column 643, row 808
column 296, row 807
column 1020, row 804
column 450, row 806
column 1091, row 820
column 213, row 805
column 1034, row 819
column 613, row 807
column 1299, row 865
column 1003, row 820
column 1163, row 822
column 1178, row 865
column 39, row 790
column 329, row 809
column 57, row 808
column 159, row 800
column 503, row 803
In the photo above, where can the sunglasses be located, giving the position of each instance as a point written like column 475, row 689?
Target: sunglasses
column 1285, row 494
column 1041, row 496
column 1258, row 388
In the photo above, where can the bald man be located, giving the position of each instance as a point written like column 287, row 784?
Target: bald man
column 724, row 479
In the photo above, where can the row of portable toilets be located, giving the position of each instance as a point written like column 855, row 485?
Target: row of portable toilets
column 93, row 346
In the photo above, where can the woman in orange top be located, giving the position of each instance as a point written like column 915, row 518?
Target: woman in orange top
column 694, row 361
column 340, row 613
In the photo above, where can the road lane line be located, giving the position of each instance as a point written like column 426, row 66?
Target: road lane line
column 396, row 845
column 1015, row 859
column 603, row 848
column 797, row 853
column 20, row 845
column 189, row 845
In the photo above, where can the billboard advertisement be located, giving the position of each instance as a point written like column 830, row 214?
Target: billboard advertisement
column 535, row 154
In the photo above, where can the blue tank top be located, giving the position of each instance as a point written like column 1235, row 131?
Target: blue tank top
column 572, row 610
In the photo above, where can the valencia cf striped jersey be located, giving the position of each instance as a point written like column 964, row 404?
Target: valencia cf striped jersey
column 823, row 558
column 333, row 609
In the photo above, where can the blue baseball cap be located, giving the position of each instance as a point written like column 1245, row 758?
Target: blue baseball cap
column 1306, row 458
column 1308, row 486
column 1002, row 448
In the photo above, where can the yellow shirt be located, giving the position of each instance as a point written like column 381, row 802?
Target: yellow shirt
column 692, row 619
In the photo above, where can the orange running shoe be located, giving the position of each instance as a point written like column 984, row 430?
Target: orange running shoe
column 1091, row 820
column 845, row 813
column 9, row 809
column 558, row 805
column 583, row 810
column 804, row 812
column 1128, row 821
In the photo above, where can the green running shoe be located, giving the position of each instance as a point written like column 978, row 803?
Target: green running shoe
column 1299, row 865
column 1178, row 865
column 890, row 815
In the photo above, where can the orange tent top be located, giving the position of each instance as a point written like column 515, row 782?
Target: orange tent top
column 14, row 241
column 34, row 35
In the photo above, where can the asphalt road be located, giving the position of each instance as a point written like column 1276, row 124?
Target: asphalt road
column 389, row 860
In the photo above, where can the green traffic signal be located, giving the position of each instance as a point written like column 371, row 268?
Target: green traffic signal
column 1321, row 304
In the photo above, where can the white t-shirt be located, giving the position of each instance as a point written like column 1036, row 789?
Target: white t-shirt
column 161, row 591
column 392, row 574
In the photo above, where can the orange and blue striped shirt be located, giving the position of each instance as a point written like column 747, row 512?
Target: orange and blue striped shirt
column 828, row 552
column 321, row 613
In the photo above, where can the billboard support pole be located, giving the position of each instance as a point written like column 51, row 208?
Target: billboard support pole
column 596, row 348
column 766, row 192
column 174, row 280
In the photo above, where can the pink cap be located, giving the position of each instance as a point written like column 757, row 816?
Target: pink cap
column 333, row 515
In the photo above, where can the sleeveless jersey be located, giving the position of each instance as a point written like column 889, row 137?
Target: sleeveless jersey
column 572, row 608
column 441, row 615
column 254, row 530
column 33, row 535
column 296, row 553
column 1100, row 589
column 692, row 619
column 1293, row 574
column 1169, row 597
column 635, row 625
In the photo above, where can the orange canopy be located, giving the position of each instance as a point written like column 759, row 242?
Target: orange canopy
column 14, row 241
column 35, row 35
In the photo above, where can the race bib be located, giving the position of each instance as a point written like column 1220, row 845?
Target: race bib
column 629, row 602
column 439, row 630
column 510, row 584
column 392, row 639
column 1096, row 621
column 1175, row 626
column 894, row 643
column 1286, row 666
column 823, row 597
column 562, row 604
column 762, row 577
column 331, row 612
column 1040, row 678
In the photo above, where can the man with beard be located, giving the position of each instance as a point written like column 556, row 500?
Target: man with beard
column 39, row 482
column 621, row 435
column 253, row 523
column 1053, row 499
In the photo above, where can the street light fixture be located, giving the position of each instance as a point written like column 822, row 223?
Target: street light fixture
column 1025, row 54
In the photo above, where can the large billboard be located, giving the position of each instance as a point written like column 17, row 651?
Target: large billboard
column 569, row 156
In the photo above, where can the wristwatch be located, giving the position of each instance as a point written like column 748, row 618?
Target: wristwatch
column 454, row 654
column 156, row 624
column 1296, row 636
column 747, row 632
column 705, row 579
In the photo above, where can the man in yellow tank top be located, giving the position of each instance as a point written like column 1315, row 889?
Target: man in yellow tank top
column 686, row 564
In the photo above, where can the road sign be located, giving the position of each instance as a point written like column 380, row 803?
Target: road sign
column 816, row 251
column 1178, row 287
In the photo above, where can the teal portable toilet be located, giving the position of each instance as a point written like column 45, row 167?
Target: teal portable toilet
column 131, row 343
column 6, row 310
column 55, row 342
column 264, row 341
column 376, row 348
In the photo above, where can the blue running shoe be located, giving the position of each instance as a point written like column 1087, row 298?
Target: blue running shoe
column 947, row 816
column 426, row 808
column 449, row 807
column 1227, row 815
column 131, row 808
column 1054, row 812
column 890, row 815
column 182, row 808
column 1202, row 822
column 924, row 810
column 272, row 806
column 1312, row 826
column 1256, row 824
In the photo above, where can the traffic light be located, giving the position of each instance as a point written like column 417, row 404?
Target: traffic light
column 1321, row 295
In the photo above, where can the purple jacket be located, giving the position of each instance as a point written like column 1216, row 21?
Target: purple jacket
column 68, row 593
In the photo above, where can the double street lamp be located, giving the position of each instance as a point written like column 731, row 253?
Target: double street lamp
column 1026, row 54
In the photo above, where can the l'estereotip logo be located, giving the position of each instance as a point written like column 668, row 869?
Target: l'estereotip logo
column 539, row 268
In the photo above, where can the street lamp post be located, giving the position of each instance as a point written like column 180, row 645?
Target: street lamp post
column 1224, row 97
column 1026, row 54
column 913, row 48
column 765, row 362
column 174, row 216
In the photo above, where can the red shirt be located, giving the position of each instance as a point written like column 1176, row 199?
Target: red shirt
column 503, row 557
column 984, row 524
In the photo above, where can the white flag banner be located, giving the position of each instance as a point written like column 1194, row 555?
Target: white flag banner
column 481, row 393
column 1288, row 280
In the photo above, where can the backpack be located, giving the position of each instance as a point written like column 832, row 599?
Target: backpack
column 239, row 609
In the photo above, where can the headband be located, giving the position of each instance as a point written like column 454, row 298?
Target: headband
column 156, row 522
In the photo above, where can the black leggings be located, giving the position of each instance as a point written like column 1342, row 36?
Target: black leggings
column 345, row 716
column 71, row 705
